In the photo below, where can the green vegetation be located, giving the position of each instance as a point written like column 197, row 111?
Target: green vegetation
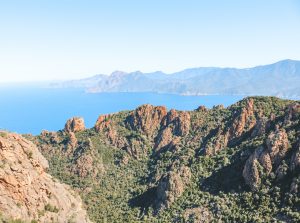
column 3, row 134
column 125, row 191
column 10, row 220
column 50, row 208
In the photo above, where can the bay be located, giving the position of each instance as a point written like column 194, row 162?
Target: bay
column 33, row 109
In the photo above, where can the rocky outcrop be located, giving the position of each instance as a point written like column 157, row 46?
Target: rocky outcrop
column 178, row 121
column 163, row 139
column 84, row 166
column 52, row 136
column 202, row 108
column 104, row 125
column 294, row 167
column 27, row 191
column 277, row 146
column 266, row 159
column 72, row 142
column 75, row 124
column 295, row 160
column 174, row 125
column 260, row 127
column 292, row 113
column 216, row 143
column 147, row 119
column 242, row 122
column 171, row 186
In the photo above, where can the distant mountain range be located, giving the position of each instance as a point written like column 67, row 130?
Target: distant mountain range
column 280, row 79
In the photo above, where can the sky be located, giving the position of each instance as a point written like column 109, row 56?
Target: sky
column 71, row 39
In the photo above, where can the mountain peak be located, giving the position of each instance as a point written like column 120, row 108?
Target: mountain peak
column 118, row 73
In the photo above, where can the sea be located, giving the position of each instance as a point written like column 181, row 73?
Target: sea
column 29, row 110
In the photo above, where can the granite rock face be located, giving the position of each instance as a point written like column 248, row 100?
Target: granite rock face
column 26, row 190
column 75, row 124
column 241, row 123
column 265, row 159
column 147, row 118
column 174, row 126
column 178, row 121
column 107, row 127
column 171, row 186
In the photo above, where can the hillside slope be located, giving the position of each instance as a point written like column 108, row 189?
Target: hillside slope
column 27, row 192
column 235, row 164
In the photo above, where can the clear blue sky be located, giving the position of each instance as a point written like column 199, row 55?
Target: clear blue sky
column 68, row 39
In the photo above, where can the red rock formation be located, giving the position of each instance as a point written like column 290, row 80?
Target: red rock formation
column 164, row 138
column 26, row 189
column 72, row 142
column 105, row 126
column 103, row 123
column 202, row 108
column 245, row 121
column 174, row 125
column 75, row 124
column 147, row 118
column 85, row 166
column 277, row 146
column 178, row 121
column 242, row 123
column 266, row 159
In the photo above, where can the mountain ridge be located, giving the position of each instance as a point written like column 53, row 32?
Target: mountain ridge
column 282, row 79
column 151, row 164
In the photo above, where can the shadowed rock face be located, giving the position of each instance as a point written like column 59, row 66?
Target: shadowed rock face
column 75, row 124
column 27, row 190
column 242, row 122
column 171, row 186
column 264, row 159
column 174, row 126
column 179, row 122
column 295, row 161
column 261, row 126
column 292, row 113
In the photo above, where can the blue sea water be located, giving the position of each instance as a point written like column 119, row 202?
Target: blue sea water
column 32, row 109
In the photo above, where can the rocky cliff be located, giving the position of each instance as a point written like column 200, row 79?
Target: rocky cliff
column 27, row 191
